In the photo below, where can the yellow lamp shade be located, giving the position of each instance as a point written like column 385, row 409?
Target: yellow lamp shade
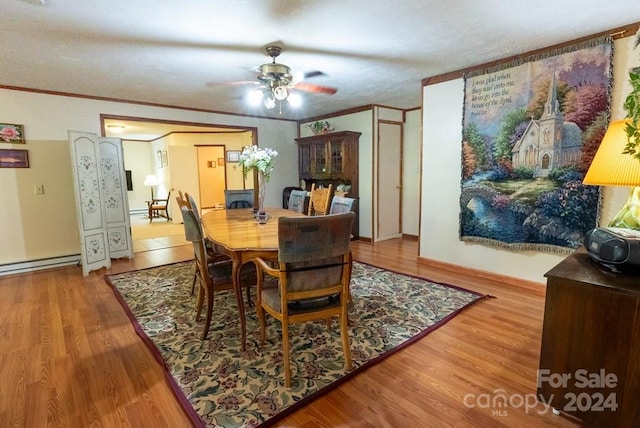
column 611, row 167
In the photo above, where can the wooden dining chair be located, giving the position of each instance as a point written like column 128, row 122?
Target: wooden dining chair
column 214, row 276
column 296, row 200
column 319, row 200
column 312, row 274
column 214, row 256
column 238, row 198
column 156, row 206
column 181, row 200
column 341, row 204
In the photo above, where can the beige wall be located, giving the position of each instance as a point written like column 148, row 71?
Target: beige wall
column 44, row 226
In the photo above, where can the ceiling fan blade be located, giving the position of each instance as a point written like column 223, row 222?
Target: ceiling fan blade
column 313, row 73
column 242, row 82
column 310, row 87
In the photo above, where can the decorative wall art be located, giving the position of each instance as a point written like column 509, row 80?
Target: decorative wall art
column 165, row 158
column 10, row 133
column 233, row 156
column 530, row 131
column 159, row 159
column 10, row 158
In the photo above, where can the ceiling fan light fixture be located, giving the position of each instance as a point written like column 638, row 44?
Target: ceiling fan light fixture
column 270, row 102
column 295, row 100
column 255, row 97
column 280, row 93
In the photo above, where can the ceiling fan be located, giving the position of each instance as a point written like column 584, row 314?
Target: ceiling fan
column 277, row 82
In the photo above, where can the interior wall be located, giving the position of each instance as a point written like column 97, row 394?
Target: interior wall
column 47, row 120
column 441, row 172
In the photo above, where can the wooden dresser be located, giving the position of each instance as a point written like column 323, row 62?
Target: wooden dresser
column 590, row 355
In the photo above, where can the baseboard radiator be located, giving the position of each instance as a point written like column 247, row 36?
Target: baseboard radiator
column 33, row 265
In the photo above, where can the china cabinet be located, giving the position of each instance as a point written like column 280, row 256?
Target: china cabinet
column 331, row 158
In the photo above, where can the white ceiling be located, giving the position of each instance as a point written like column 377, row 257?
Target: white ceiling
column 186, row 53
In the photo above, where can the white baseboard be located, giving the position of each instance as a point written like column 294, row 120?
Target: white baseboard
column 33, row 265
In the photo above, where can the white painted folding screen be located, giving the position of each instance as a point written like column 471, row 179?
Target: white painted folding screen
column 101, row 200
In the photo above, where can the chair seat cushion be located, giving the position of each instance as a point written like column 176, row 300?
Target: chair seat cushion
column 220, row 273
column 271, row 296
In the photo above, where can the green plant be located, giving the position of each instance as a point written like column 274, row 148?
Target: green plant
column 320, row 126
column 632, row 107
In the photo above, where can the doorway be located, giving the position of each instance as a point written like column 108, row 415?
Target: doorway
column 170, row 149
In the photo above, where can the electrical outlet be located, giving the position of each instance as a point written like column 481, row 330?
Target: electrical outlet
column 39, row 189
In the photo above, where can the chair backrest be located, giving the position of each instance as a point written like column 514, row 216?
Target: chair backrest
column 319, row 200
column 314, row 251
column 296, row 200
column 193, row 233
column 162, row 201
column 286, row 195
column 341, row 204
column 181, row 200
column 191, row 203
column 238, row 198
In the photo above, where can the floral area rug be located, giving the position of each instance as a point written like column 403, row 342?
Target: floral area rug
column 220, row 386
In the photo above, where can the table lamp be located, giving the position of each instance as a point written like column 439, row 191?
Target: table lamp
column 151, row 180
column 611, row 167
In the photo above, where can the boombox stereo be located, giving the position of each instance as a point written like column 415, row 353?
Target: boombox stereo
column 614, row 247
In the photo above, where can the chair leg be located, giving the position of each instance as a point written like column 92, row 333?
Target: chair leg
column 201, row 292
column 345, row 339
column 207, row 321
column 195, row 277
column 150, row 214
column 285, row 354
column 263, row 322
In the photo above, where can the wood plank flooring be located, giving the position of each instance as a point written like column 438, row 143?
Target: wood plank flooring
column 69, row 357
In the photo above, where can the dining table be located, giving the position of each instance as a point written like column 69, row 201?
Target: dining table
column 236, row 233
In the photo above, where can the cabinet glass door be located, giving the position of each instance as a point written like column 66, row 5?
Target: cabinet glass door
column 320, row 158
column 305, row 161
column 336, row 157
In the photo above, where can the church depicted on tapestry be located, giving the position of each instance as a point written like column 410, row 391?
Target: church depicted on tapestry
column 548, row 142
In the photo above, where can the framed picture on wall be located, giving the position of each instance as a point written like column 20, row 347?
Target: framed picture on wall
column 165, row 159
column 233, row 156
column 159, row 159
column 10, row 158
column 10, row 133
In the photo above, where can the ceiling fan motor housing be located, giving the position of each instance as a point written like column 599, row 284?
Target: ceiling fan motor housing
column 275, row 72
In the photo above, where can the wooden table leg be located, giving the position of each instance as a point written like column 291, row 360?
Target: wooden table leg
column 235, row 272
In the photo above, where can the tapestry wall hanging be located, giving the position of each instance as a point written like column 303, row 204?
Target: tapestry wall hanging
column 530, row 131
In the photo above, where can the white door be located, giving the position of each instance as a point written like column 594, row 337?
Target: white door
column 389, row 197
column 101, row 201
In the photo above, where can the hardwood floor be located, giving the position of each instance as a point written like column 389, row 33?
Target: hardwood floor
column 69, row 357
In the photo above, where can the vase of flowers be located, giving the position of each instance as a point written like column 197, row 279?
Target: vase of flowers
column 260, row 160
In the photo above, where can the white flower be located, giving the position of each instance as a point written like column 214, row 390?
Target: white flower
column 254, row 157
